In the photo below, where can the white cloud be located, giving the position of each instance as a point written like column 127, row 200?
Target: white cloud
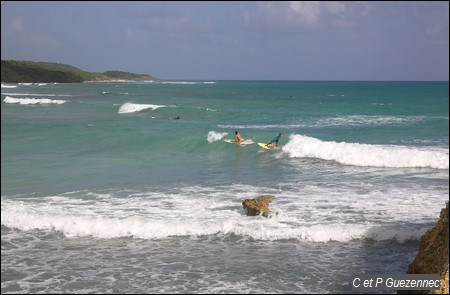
column 307, row 12
column 304, row 15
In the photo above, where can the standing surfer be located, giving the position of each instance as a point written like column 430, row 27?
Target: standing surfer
column 274, row 141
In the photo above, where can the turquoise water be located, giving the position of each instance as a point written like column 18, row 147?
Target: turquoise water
column 90, row 182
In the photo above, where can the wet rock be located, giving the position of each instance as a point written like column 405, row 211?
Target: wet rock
column 433, row 254
column 258, row 206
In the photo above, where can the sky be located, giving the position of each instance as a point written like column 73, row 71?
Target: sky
column 235, row 40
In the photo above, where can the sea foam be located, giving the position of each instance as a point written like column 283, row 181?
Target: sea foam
column 8, row 86
column 129, row 107
column 26, row 217
column 309, row 214
column 27, row 101
column 301, row 146
column 215, row 136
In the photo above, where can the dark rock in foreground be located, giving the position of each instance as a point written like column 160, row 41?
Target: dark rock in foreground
column 433, row 255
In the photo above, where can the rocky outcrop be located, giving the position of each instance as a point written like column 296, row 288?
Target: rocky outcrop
column 258, row 206
column 433, row 254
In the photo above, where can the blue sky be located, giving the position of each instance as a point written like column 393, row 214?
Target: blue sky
column 248, row 40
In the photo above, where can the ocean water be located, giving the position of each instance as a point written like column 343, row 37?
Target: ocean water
column 103, row 191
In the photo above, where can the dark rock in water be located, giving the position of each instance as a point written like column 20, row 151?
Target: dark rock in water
column 433, row 255
column 258, row 206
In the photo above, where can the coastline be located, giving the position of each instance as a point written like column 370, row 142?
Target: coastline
column 119, row 81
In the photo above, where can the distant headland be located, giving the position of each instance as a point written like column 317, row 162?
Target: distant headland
column 15, row 71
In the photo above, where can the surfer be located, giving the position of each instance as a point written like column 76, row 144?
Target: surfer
column 238, row 138
column 274, row 141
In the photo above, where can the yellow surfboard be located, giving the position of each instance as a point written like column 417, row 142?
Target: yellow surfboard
column 265, row 146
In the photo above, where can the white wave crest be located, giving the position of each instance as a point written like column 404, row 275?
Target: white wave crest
column 179, row 82
column 74, row 224
column 8, row 86
column 27, row 100
column 202, row 211
column 129, row 107
column 215, row 136
column 300, row 146
column 187, row 82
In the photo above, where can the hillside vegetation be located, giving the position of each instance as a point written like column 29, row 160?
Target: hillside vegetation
column 14, row 71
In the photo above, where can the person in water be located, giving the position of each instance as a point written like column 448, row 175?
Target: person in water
column 274, row 141
column 238, row 138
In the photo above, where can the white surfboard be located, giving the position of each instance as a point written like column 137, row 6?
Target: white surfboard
column 245, row 142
